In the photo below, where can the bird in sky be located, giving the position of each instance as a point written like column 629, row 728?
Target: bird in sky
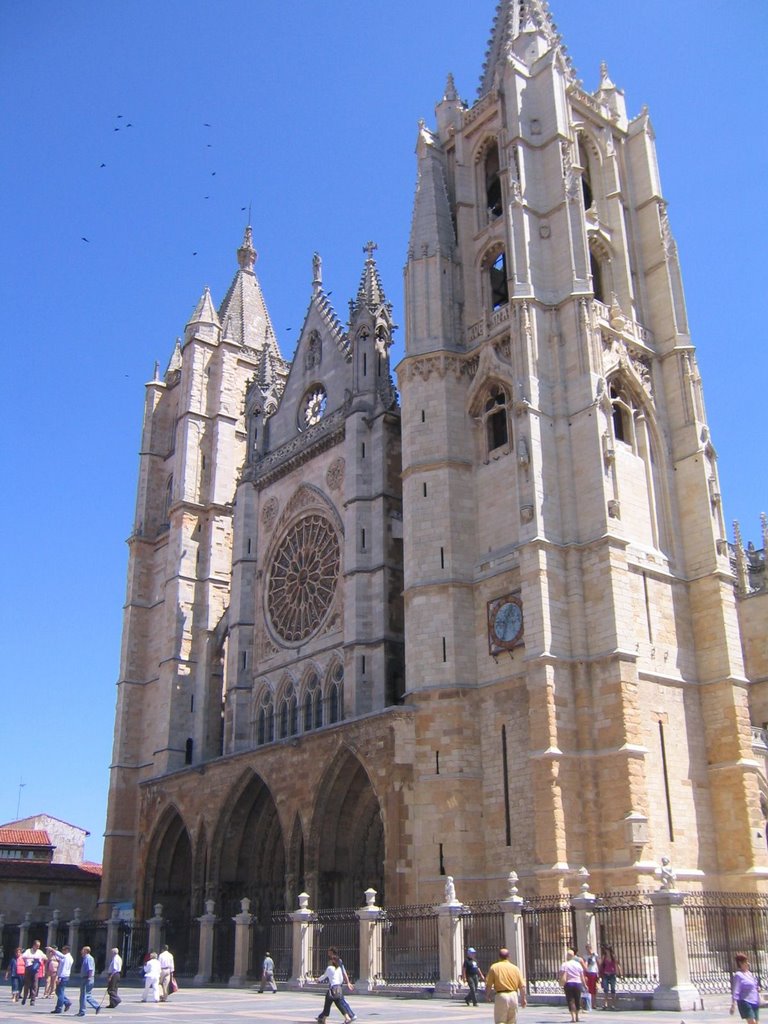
column 84, row 239
column 103, row 165
column 206, row 125
column 194, row 254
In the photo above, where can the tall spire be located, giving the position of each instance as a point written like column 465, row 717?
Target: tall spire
column 370, row 293
column 243, row 312
column 246, row 254
column 513, row 20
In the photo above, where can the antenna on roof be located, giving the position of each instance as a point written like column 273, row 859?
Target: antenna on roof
column 22, row 784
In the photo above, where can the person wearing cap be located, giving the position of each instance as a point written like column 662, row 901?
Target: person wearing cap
column 505, row 985
column 471, row 975
column 268, row 973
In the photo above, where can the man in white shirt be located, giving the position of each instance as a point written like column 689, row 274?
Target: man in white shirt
column 167, row 967
column 32, row 957
column 114, row 972
column 65, row 960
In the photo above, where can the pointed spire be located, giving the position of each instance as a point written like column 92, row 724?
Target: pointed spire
column 317, row 273
column 370, row 294
column 174, row 363
column 450, row 95
column 204, row 312
column 246, row 254
column 514, row 19
column 431, row 225
column 605, row 78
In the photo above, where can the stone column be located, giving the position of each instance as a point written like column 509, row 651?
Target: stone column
column 450, row 930
column 52, row 929
column 514, row 933
column 674, row 991
column 155, row 929
column 205, row 955
column 74, row 933
column 370, row 940
column 242, row 944
column 584, row 912
column 24, row 930
column 113, row 938
column 303, row 942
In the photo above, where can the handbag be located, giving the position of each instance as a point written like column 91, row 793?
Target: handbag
column 336, row 991
column 173, row 985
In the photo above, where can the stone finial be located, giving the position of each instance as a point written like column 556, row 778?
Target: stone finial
column 764, row 531
column 56, row 916
column 668, row 876
column 450, row 95
column 584, row 876
column 370, row 897
column 742, row 568
column 317, row 272
column 158, row 910
column 209, row 907
column 246, row 254
column 115, row 912
column 512, row 879
column 303, row 900
column 245, row 905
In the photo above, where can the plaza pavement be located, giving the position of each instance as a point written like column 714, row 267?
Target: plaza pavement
column 212, row 1005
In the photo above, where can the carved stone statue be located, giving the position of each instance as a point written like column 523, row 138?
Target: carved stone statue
column 450, row 890
column 668, row 876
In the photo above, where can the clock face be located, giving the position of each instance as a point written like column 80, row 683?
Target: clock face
column 505, row 623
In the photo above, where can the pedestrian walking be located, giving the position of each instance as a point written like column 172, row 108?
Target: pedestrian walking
column 471, row 975
column 591, row 973
column 746, row 991
column 151, row 979
column 573, row 981
column 334, row 976
column 505, row 985
column 167, row 969
column 87, row 980
column 34, row 962
column 15, row 971
column 114, row 973
column 64, row 962
column 268, row 973
column 609, row 971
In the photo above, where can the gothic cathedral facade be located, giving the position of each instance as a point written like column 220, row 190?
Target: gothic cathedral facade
column 486, row 621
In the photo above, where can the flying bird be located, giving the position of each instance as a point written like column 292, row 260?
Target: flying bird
column 103, row 165
column 206, row 125
column 84, row 239
column 194, row 254
column 213, row 174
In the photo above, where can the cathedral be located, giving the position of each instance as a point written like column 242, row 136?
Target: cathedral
column 469, row 614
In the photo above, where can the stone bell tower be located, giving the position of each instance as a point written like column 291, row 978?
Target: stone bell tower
column 569, row 607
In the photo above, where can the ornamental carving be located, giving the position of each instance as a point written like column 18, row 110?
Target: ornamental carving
column 269, row 512
column 334, row 475
column 303, row 578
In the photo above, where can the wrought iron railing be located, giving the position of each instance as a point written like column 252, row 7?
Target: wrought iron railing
column 410, row 948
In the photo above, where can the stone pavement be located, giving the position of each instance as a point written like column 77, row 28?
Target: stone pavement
column 212, row 1005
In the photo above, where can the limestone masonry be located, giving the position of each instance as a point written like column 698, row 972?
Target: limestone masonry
column 485, row 621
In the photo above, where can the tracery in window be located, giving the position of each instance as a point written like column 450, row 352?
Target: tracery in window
column 313, row 704
column 622, row 414
column 495, row 419
column 498, row 281
column 266, row 721
column 336, row 694
column 493, row 182
column 586, row 176
column 596, row 269
column 303, row 578
column 312, row 406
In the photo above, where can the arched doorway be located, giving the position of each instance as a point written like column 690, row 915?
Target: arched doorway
column 349, row 836
column 251, row 852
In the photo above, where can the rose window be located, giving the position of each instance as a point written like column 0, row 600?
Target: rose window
column 313, row 406
column 302, row 578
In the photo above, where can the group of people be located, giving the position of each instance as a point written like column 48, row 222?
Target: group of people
column 159, row 976
column 579, row 978
column 27, row 968
column 504, row 985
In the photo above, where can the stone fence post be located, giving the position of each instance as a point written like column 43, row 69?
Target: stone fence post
column 24, row 930
column 584, row 913
column 155, row 930
column 674, row 991
column 113, row 938
column 74, row 933
column 303, row 942
column 53, row 925
column 242, row 944
column 370, row 940
column 514, row 933
column 205, row 953
column 450, row 933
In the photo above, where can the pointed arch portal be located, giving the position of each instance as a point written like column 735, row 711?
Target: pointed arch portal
column 170, row 880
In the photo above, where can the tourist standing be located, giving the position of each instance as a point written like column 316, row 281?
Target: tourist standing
column 15, row 971
column 591, row 973
column 573, row 981
column 34, row 961
column 151, row 979
column 609, row 971
column 505, row 985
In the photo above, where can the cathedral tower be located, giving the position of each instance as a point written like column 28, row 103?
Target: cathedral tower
column 567, row 588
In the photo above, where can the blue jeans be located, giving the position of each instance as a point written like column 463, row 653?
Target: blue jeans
column 86, row 987
column 61, row 994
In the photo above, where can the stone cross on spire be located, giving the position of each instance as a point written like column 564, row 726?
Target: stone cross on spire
column 370, row 248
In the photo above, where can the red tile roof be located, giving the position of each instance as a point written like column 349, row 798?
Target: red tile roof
column 24, row 837
column 42, row 871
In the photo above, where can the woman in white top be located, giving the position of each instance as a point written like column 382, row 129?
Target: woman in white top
column 334, row 975
column 573, row 981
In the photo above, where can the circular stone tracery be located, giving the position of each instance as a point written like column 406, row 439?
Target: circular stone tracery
column 302, row 578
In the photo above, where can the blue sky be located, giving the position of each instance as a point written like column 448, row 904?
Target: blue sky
column 308, row 113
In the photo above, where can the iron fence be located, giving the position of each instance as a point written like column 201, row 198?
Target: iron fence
column 182, row 936
column 223, row 966
column 339, row 928
column 276, row 936
column 717, row 926
column 93, row 934
column 10, row 942
column 550, row 927
column 410, row 950
column 133, row 942
column 484, row 931
column 625, row 923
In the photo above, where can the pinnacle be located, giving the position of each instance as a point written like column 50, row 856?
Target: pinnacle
column 246, row 254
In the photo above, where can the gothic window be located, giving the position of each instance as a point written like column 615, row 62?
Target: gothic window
column 302, row 578
column 498, row 281
column 495, row 419
column 622, row 414
column 492, row 182
column 314, row 353
column 596, row 269
column 336, row 694
column 586, row 176
column 266, row 721
column 289, row 714
column 312, row 406
column 168, row 499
